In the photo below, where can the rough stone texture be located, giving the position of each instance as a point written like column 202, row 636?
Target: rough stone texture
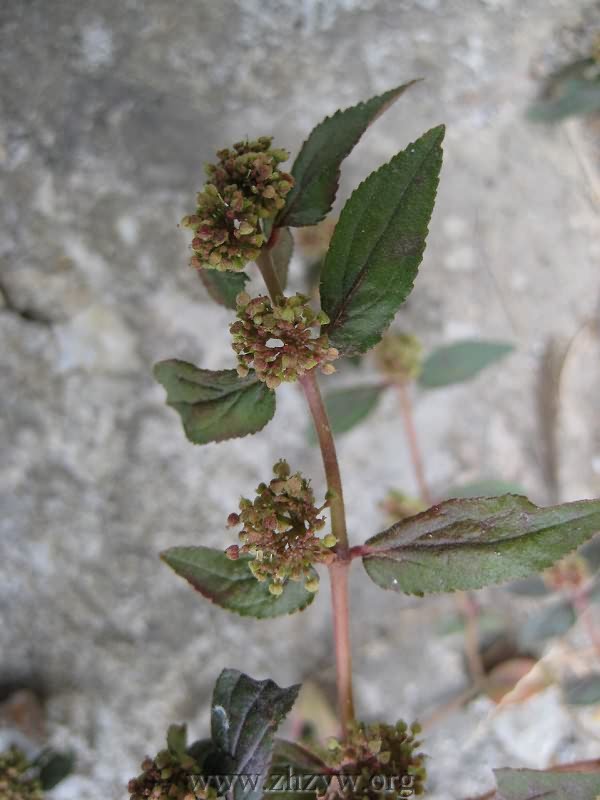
column 108, row 111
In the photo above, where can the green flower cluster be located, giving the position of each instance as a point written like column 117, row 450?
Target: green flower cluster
column 245, row 186
column 275, row 339
column 399, row 356
column 279, row 530
column 15, row 780
column 380, row 751
column 165, row 777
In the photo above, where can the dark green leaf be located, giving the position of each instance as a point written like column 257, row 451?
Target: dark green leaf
column 245, row 715
column 215, row 406
column 347, row 407
column 574, row 89
column 177, row 740
column 223, row 287
column 378, row 244
column 316, row 170
column 460, row 361
column 553, row 620
column 231, row 585
column 530, row 784
column 534, row 586
column 200, row 751
column 54, row 767
column 468, row 544
column 583, row 691
column 483, row 488
column 282, row 253
column 591, row 553
column 290, row 754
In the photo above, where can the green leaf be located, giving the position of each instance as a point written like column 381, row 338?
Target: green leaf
column 291, row 754
column 316, row 170
column 591, row 553
column 553, row 620
column 348, row 407
column 574, row 89
column 231, row 585
column 530, row 784
column 378, row 244
column 223, row 287
column 54, row 767
column 177, row 740
column 533, row 586
column 460, row 361
column 281, row 253
column 583, row 691
column 245, row 715
column 215, row 406
column 486, row 487
column 468, row 544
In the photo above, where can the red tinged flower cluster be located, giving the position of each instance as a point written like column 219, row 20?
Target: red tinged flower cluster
column 279, row 528
column 245, row 186
column 275, row 339
column 375, row 752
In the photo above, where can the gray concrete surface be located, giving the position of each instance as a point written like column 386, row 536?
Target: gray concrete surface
column 107, row 112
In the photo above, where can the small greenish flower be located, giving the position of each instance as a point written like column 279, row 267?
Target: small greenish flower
column 274, row 338
column 378, row 751
column 400, row 357
column 280, row 529
column 16, row 779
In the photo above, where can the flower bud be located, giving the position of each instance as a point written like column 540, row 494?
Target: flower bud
column 399, row 356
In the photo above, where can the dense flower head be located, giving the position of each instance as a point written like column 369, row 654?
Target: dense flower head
column 227, row 232
column 164, row 777
column 280, row 530
column 379, row 751
column 399, row 356
column 275, row 338
column 245, row 186
column 254, row 168
column 16, row 782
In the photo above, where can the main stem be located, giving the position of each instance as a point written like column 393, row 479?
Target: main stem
column 338, row 570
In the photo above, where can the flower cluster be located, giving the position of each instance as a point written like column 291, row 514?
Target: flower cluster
column 378, row 751
column 279, row 530
column 399, row 357
column 165, row 777
column 275, row 338
column 15, row 781
column 244, row 187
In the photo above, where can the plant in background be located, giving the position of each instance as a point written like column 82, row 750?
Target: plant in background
column 574, row 89
column 23, row 778
column 244, row 214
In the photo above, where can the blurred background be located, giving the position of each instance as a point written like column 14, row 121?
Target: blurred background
column 108, row 112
